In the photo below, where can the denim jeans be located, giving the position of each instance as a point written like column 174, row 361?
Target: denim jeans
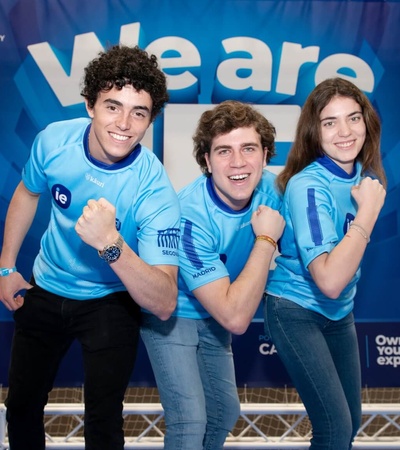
column 321, row 356
column 45, row 326
column 193, row 365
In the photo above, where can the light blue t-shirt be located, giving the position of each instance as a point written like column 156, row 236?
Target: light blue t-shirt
column 147, row 209
column 215, row 240
column 318, row 208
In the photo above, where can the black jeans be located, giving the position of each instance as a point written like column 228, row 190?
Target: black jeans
column 45, row 327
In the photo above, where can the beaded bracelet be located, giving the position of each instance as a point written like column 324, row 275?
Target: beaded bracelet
column 361, row 230
column 263, row 237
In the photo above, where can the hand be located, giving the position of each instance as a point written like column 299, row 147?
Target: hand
column 96, row 225
column 267, row 221
column 9, row 288
column 370, row 197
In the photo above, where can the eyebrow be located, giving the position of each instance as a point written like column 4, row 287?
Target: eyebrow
column 335, row 117
column 245, row 144
column 118, row 103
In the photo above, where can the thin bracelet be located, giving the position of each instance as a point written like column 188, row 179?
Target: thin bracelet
column 361, row 230
column 264, row 237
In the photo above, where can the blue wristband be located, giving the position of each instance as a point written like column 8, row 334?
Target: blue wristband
column 5, row 272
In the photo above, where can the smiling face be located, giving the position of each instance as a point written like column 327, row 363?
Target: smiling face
column 343, row 131
column 120, row 119
column 236, row 161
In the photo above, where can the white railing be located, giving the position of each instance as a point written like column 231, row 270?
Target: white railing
column 388, row 415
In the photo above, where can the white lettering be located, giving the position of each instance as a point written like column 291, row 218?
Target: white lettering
column 388, row 350
column 267, row 349
column 380, row 339
column 387, row 340
column 388, row 361
column 260, row 65
column 181, row 61
column 389, row 346
column 293, row 57
column 96, row 181
column 330, row 67
column 129, row 34
column 62, row 198
column 66, row 87
column 189, row 56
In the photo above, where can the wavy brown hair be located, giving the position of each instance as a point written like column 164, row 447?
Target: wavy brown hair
column 224, row 118
column 121, row 65
column 306, row 147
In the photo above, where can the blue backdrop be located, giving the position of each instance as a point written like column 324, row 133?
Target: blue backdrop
column 271, row 53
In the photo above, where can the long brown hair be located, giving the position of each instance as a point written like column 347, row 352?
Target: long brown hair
column 306, row 147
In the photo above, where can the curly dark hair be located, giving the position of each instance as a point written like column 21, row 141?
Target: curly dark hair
column 121, row 65
column 222, row 119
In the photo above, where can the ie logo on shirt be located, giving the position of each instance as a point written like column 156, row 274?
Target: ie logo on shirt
column 62, row 196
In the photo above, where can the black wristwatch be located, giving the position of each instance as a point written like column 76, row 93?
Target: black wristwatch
column 112, row 252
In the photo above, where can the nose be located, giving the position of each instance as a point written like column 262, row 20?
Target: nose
column 237, row 159
column 344, row 129
column 123, row 121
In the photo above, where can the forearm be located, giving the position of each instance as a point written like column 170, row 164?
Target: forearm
column 246, row 291
column 19, row 218
column 152, row 287
column 333, row 272
column 234, row 304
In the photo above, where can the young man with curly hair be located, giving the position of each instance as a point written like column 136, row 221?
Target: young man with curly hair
column 110, row 248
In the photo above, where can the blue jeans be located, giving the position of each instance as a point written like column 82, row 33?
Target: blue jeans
column 193, row 365
column 45, row 327
column 321, row 356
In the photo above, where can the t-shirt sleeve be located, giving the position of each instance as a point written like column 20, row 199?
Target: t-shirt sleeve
column 33, row 174
column 200, row 262
column 157, row 213
column 310, row 209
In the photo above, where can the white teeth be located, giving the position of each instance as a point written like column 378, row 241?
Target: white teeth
column 118, row 137
column 345, row 144
column 239, row 177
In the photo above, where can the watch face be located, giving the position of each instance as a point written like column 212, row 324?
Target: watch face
column 111, row 254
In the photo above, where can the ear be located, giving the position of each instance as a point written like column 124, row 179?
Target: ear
column 265, row 157
column 207, row 158
column 89, row 109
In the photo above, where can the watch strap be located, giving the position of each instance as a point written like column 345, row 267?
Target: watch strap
column 118, row 243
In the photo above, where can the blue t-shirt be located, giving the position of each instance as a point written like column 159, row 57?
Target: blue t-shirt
column 318, row 208
column 147, row 209
column 215, row 240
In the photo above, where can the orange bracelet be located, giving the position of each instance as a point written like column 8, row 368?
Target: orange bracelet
column 263, row 237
